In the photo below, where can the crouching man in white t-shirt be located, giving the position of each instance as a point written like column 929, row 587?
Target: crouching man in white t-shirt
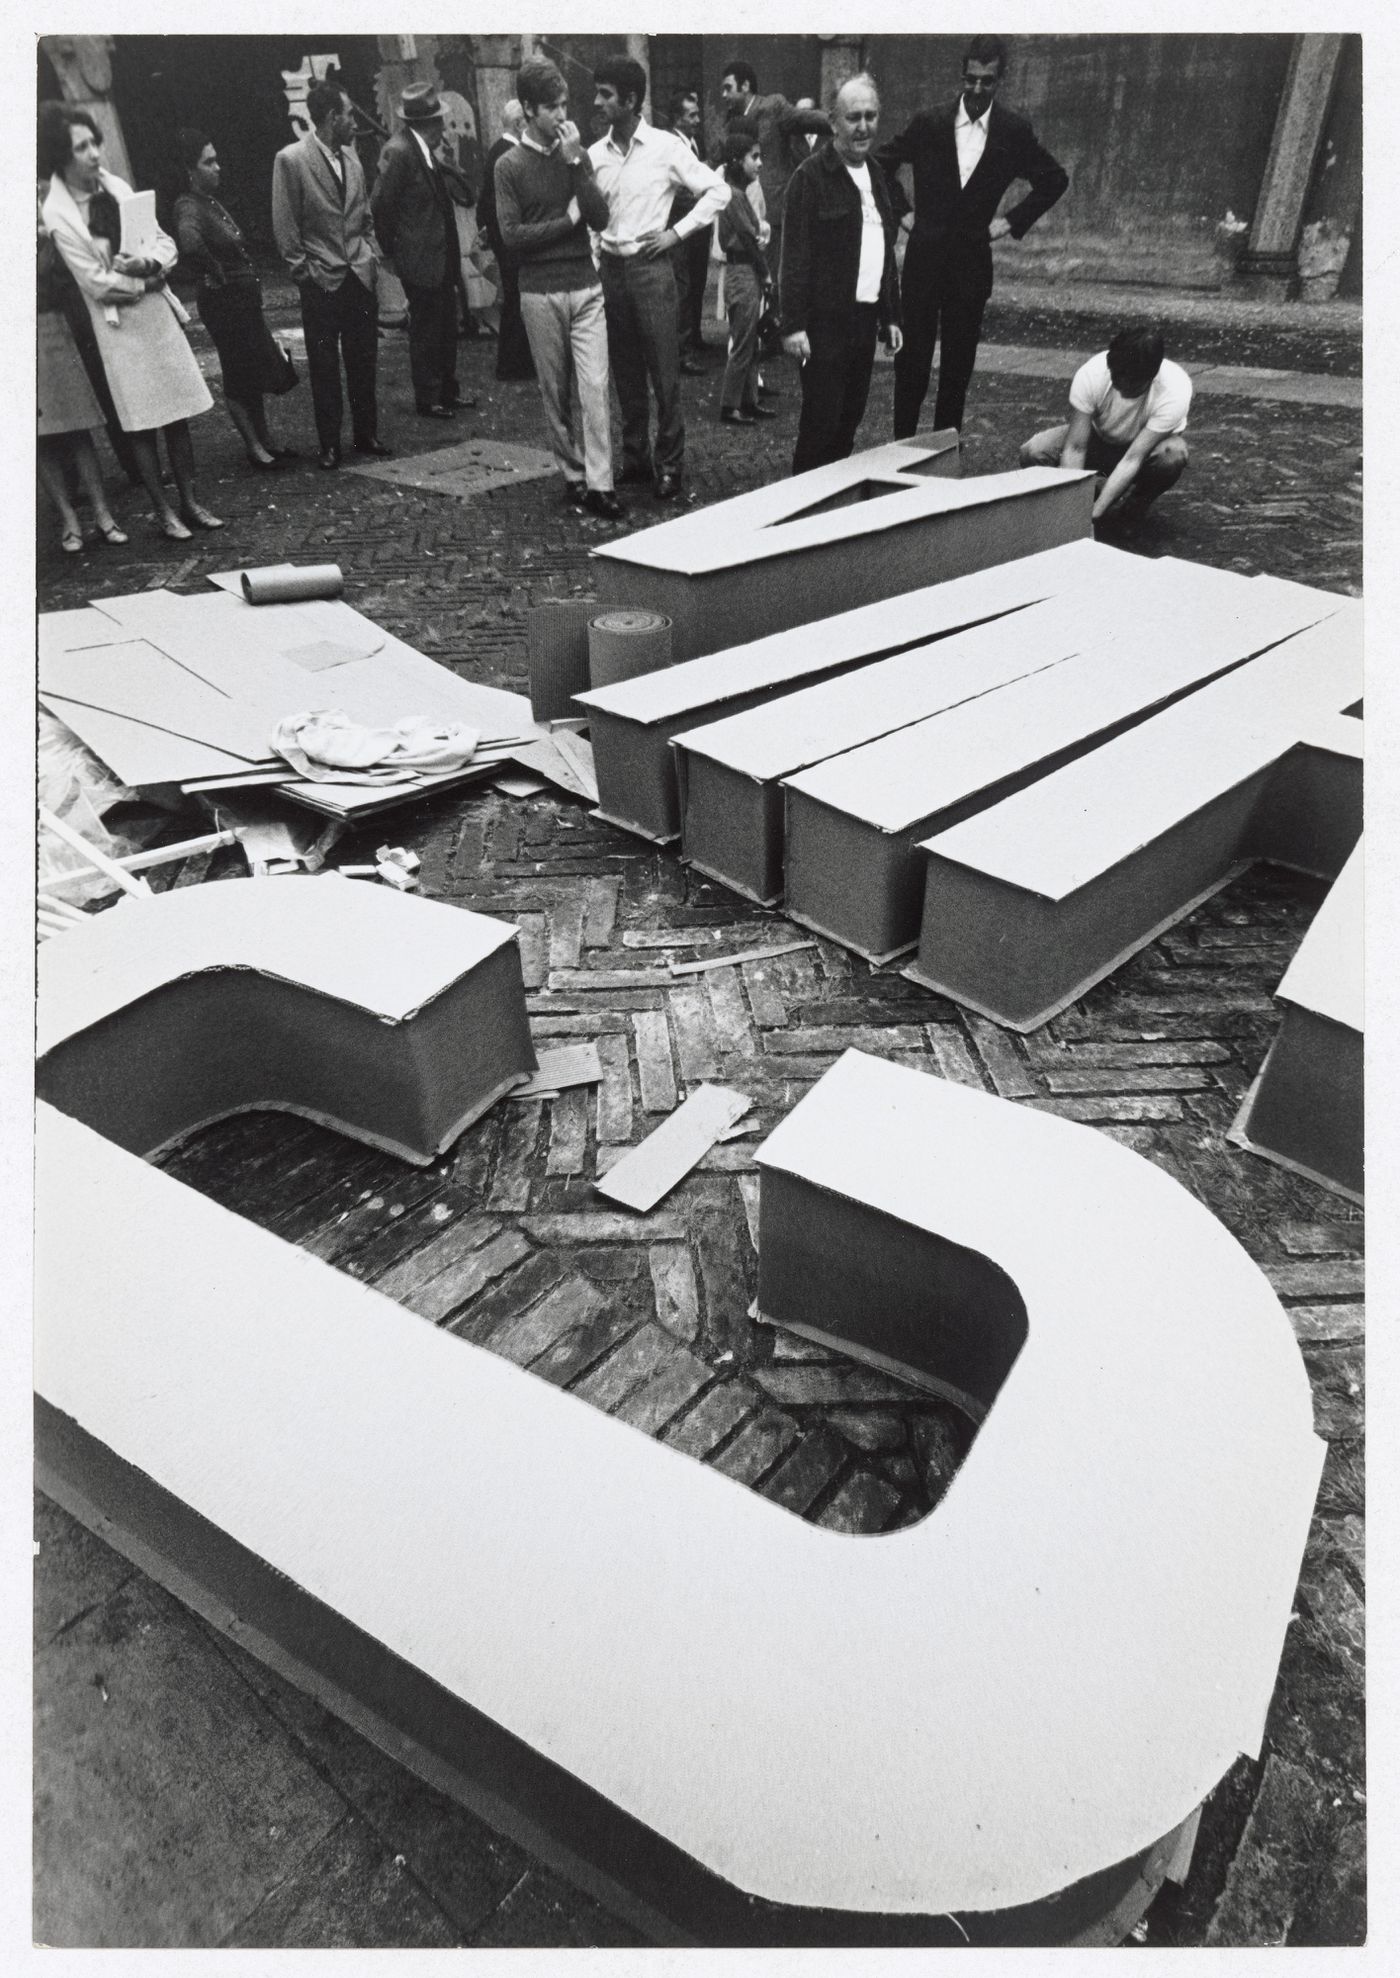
column 1127, row 420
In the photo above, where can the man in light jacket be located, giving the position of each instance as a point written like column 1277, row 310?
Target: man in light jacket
column 325, row 233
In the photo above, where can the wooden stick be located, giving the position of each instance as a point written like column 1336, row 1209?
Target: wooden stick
column 187, row 848
column 747, row 955
column 96, row 858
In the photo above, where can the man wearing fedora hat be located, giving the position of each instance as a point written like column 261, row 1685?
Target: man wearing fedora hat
column 413, row 217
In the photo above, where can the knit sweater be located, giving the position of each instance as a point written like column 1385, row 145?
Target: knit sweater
column 533, row 190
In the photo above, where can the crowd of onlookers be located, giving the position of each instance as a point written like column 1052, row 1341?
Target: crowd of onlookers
column 604, row 251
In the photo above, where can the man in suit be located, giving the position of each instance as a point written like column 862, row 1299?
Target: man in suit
column 514, row 362
column 839, row 286
column 781, row 129
column 964, row 155
column 693, row 253
column 325, row 233
column 417, row 228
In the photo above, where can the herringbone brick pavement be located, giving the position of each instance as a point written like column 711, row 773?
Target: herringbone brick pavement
column 505, row 1242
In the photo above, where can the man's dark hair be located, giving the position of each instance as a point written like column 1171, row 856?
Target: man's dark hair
column 538, row 84
column 624, row 75
column 56, row 121
column 322, row 98
column 679, row 99
column 1135, row 358
column 987, row 48
column 743, row 73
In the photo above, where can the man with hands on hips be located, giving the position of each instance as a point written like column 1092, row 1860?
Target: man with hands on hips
column 839, row 288
column 640, row 169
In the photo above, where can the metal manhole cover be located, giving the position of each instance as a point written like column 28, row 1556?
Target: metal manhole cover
column 473, row 468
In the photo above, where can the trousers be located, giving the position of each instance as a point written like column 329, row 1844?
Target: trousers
column 341, row 325
column 569, row 344
column 739, row 391
column 1162, row 469
column 835, row 385
column 432, row 340
column 941, row 304
column 639, row 298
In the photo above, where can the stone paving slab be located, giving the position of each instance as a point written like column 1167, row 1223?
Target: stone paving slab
column 471, row 468
column 505, row 1239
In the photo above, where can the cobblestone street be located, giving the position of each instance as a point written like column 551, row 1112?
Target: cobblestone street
column 320, row 1839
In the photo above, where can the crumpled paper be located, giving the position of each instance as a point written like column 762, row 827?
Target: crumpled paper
column 325, row 746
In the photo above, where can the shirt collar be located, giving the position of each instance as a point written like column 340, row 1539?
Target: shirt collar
column 423, row 146
column 963, row 122
column 336, row 159
column 642, row 131
column 533, row 144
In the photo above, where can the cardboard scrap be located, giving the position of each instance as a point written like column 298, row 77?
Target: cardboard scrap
column 511, row 784
column 649, row 1171
column 745, row 955
column 579, row 755
column 572, row 1064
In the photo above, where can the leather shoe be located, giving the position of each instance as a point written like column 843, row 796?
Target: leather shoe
column 634, row 476
column 762, row 412
column 668, row 486
column 575, row 493
column 329, row 457
column 456, row 401
column 734, row 417
column 376, row 448
column 603, row 502
column 434, row 412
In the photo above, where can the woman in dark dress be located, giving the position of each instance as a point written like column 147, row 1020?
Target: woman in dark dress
column 229, row 299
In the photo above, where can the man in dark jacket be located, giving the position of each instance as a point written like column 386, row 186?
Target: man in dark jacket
column 838, row 284
column 513, row 360
column 964, row 155
column 417, row 229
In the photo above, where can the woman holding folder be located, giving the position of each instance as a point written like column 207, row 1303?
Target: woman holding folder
column 155, row 383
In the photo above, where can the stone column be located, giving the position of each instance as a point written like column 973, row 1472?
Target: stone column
column 1268, row 264
column 83, row 65
column 843, row 56
column 498, row 58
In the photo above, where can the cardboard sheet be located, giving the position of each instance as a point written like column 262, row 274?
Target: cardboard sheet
column 890, row 784
column 1328, row 973
column 363, row 945
column 141, row 754
column 141, row 683
column 70, row 631
column 650, row 1171
column 1060, row 833
column 571, row 1064
column 1008, row 1711
column 789, row 658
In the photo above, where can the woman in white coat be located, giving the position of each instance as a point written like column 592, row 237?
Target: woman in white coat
column 155, row 382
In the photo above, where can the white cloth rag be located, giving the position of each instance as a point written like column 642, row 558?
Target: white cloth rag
column 326, row 746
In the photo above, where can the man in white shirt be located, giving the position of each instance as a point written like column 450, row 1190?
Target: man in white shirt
column 1127, row 420
column 964, row 157
column 640, row 170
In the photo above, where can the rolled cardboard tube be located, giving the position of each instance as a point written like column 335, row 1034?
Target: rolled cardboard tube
column 624, row 643
column 288, row 583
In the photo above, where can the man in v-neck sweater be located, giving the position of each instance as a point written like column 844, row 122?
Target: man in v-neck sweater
column 547, row 198
column 964, row 156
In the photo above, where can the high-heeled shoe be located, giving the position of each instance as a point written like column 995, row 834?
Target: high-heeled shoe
column 108, row 532
column 174, row 528
column 201, row 517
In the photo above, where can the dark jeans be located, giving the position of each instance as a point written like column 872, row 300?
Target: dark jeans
column 744, row 301
column 341, row 324
column 432, row 341
column 692, row 260
column 938, row 302
column 513, row 358
column 639, row 298
column 835, row 385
